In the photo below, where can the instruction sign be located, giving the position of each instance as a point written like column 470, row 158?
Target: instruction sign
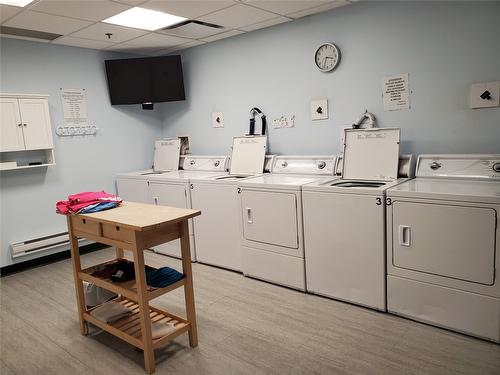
column 395, row 92
column 74, row 107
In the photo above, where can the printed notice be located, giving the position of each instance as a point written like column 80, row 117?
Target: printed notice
column 395, row 92
column 74, row 107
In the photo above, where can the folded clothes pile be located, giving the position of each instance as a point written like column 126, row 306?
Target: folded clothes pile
column 87, row 202
column 123, row 270
column 110, row 312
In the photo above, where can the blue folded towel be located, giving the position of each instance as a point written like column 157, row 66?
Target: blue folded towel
column 163, row 277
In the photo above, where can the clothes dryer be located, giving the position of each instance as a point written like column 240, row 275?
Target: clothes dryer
column 217, row 230
column 272, row 243
column 443, row 251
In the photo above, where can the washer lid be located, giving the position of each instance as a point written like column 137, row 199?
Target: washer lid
column 166, row 156
column 248, row 154
column 371, row 154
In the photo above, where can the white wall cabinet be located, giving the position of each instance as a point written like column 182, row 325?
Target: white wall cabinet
column 25, row 126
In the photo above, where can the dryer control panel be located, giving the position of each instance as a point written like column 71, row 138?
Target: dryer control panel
column 459, row 166
column 315, row 165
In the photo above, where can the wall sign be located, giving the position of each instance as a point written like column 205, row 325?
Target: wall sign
column 75, row 120
column 396, row 92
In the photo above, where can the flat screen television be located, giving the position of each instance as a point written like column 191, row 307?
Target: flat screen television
column 145, row 80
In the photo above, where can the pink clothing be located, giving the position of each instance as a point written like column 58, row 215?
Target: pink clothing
column 76, row 202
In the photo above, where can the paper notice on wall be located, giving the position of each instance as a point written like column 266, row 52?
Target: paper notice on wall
column 396, row 92
column 74, row 107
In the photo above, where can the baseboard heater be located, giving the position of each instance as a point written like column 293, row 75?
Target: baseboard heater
column 40, row 244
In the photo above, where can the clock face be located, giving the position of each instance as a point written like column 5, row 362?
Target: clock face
column 327, row 57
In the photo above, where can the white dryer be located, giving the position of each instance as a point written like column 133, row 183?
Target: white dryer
column 170, row 189
column 271, row 216
column 344, row 228
column 443, row 250
column 217, row 230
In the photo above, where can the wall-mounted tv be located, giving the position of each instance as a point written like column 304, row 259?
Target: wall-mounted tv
column 145, row 80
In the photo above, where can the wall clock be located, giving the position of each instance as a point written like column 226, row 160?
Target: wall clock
column 327, row 57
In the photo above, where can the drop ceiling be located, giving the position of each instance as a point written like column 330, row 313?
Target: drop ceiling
column 78, row 22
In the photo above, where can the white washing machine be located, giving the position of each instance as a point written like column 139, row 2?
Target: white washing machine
column 217, row 230
column 344, row 225
column 170, row 189
column 271, row 216
column 443, row 244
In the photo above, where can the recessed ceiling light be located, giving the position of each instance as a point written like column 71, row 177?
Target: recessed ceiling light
column 146, row 19
column 17, row 3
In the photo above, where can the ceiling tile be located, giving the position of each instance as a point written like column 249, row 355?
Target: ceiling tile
column 46, row 22
column 238, row 16
column 192, row 30
column 187, row 8
column 178, row 48
column 262, row 25
column 93, row 10
column 98, row 32
column 321, row 8
column 158, row 41
column 284, row 7
column 227, row 34
column 7, row 11
column 84, row 43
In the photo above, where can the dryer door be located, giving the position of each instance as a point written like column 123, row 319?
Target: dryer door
column 446, row 240
column 270, row 217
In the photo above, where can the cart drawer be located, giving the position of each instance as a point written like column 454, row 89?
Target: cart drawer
column 117, row 232
column 83, row 225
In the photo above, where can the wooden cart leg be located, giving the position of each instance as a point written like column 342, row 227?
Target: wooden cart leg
column 119, row 253
column 188, row 288
column 140, row 279
column 77, row 267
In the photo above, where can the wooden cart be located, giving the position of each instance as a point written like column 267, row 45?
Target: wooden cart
column 135, row 227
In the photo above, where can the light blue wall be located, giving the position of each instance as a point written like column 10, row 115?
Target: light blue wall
column 124, row 141
column 443, row 46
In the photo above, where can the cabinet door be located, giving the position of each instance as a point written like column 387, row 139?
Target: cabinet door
column 36, row 123
column 11, row 132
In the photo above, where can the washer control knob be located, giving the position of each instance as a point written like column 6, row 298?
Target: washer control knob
column 284, row 164
column 192, row 162
column 496, row 166
column 435, row 165
column 321, row 164
column 217, row 163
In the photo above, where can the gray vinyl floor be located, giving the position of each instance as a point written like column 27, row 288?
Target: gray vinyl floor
column 245, row 327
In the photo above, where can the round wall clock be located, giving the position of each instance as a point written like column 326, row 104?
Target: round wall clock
column 327, row 57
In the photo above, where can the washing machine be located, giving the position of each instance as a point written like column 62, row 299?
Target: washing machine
column 272, row 244
column 344, row 219
column 443, row 250
column 217, row 230
column 170, row 188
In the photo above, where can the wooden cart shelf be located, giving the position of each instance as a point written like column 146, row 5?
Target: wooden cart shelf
column 129, row 327
column 126, row 289
column 135, row 227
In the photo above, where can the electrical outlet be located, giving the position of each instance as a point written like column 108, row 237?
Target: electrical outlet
column 319, row 109
column 284, row 122
column 217, row 120
column 485, row 95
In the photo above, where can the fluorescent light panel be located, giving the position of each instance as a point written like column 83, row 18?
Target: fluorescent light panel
column 17, row 3
column 145, row 19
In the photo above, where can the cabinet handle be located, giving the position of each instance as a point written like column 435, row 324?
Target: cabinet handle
column 25, row 124
column 405, row 235
column 156, row 200
column 19, row 125
column 249, row 215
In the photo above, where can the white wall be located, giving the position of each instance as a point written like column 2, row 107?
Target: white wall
column 443, row 46
column 124, row 141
